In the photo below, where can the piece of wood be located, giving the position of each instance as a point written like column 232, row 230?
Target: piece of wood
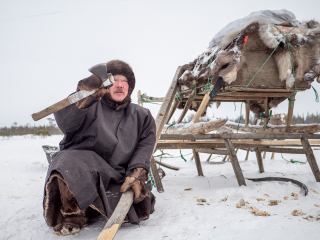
column 247, row 113
column 202, row 106
column 139, row 98
column 311, row 159
column 247, row 155
column 117, row 217
column 236, row 136
column 197, row 128
column 276, row 129
column 212, row 151
column 259, row 160
column 264, row 154
column 248, row 94
column 197, row 161
column 167, row 165
column 235, row 162
column 160, row 121
column 290, row 112
column 282, row 150
column 225, row 158
column 266, row 113
column 173, row 109
column 272, row 155
column 208, row 159
column 186, row 106
column 52, row 109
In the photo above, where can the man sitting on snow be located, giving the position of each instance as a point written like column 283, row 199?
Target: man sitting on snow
column 106, row 150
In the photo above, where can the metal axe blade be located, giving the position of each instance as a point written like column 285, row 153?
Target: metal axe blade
column 100, row 70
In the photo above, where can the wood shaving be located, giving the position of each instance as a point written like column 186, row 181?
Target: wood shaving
column 201, row 200
column 261, row 213
column 260, row 199
column 317, row 205
column 310, row 218
column 188, row 189
column 200, row 204
column 286, row 198
column 297, row 212
column 254, row 210
column 242, row 203
column 267, row 195
column 295, row 196
column 273, row 202
column 224, row 199
column 315, row 191
column 244, row 207
column 238, row 205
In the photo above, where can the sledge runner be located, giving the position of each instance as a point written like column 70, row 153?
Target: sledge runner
column 107, row 145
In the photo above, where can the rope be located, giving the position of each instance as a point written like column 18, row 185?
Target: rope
column 178, row 96
column 209, row 82
column 146, row 100
column 292, row 161
column 152, row 179
column 315, row 93
column 182, row 156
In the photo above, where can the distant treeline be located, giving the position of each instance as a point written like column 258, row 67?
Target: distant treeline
column 45, row 130
column 297, row 119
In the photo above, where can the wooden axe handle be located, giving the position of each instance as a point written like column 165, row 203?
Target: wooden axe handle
column 52, row 109
column 117, row 217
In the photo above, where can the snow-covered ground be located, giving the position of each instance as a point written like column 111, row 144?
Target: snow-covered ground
column 178, row 215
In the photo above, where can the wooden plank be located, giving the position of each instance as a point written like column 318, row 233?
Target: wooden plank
column 259, row 160
column 272, row 155
column 202, row 106
column 186, row 106
column 173, row 109
column 290, row 112
column 266, row 113
column 209, row 158
column 248, row 94
column 247, row 155
column 278, row 129
column 160, row 121
column 197, row 161
column 235, row 162
column 247, row 113
column 237, row 136
column 282, row 150
column 212, row 151
column 311, row 159
column 117, row 217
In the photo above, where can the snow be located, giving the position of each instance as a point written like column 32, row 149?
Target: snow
column 177, row 215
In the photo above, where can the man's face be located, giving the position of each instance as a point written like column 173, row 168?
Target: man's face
column 120, row 88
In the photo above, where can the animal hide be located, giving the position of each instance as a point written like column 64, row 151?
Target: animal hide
column 301, row 64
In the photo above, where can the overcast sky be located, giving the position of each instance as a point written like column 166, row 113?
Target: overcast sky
column 47, row 46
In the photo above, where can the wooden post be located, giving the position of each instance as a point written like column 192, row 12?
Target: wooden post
column 160, row 121
column 202, row 106
column 264, row 155
column 247, row 155
column 198, row 163
column 272, row 155
column 186, row 106
column 290, row 111
column 259, row 159
column 139, row 101
column 209, row 157
column 235, row 162
column 266, row 113
column 173, row 109
column 247, row 113
column 311, row 159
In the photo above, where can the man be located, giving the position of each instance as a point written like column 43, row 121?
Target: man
column 106, row 150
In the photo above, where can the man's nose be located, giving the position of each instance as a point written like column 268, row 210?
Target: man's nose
column 119, row 84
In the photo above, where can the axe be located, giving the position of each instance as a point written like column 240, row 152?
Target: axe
column 99, row 70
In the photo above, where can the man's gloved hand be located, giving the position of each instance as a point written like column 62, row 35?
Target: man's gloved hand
column 136, row 181
column 89, row 84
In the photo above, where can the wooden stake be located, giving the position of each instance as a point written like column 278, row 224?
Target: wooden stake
column 259, row 159
column 235, row 162
column 209, row 157
column 247, row 155
column 186, row 107
column 272, row 155
column 203, row 105
column 173, row 109
column 247, row 114
column 311, row 159
column 290, row 111
column 160, row 121
column 197, row 161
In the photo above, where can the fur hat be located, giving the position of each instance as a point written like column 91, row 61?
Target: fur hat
column 117, row 67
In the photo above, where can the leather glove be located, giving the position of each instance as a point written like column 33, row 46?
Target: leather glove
column 136, row 181
column 89, row 84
